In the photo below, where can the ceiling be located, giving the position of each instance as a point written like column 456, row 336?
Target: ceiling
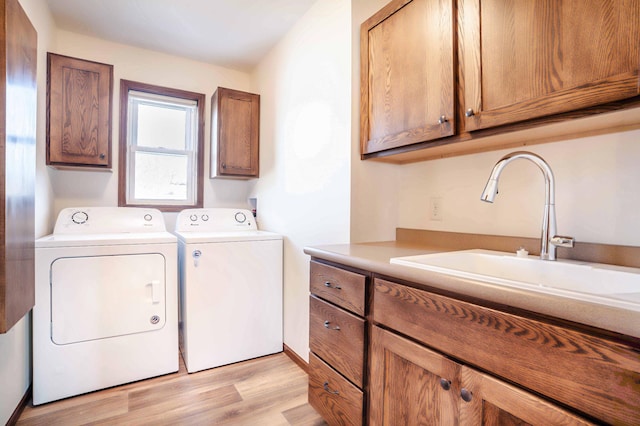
column 231, row 33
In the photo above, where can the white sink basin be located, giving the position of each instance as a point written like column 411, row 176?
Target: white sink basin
column 599, row 283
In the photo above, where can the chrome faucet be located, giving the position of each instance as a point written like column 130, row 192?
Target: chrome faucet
column 549, row 240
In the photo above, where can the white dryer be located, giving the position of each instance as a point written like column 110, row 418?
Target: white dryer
column 230, row 288
column 106, row 309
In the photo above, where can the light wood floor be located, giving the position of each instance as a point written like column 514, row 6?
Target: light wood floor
column 266, row 391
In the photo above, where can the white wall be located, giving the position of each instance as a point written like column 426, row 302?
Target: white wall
column 374, row 195
column 15, row 345
column 92, row 188
column 597, row 194
column 303, row 190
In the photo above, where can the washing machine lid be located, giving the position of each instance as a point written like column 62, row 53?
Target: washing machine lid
column 224, row 237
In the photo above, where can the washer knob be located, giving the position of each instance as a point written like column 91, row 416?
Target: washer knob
column 79, row 217
column 240, row 217
column 205, row 217
column 148, row 217
column 193, row 218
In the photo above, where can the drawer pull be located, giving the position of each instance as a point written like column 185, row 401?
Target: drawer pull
column 328, row 284
column 326, row 387
column 466, row 395
column 446, row 384
column 326, row 324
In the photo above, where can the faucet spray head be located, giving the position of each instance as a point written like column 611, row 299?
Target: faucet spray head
column 490, row 190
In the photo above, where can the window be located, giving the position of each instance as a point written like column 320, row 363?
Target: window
column 161, row 147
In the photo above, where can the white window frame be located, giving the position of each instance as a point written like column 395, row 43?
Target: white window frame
column 132, row 96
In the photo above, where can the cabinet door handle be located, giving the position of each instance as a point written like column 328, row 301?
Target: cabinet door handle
column 326, row 325
column 470, row 112
column 328, row 284
column 466, row 395
column 326, row 387
column 446, row 384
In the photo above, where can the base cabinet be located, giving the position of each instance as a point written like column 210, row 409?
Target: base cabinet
column 390, row 353
column 413, row 385
column 588, row 372
column 337, row 358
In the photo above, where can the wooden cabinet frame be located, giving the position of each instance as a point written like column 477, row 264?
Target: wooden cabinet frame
column 18, row 156
column 388, row 93
column 235, row 134
column 79, row 103
column 506, row 97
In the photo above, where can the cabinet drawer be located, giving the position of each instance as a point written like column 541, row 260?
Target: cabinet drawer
column 597, row 376
column 337, row 337
column 334, row 398
column 344, row 288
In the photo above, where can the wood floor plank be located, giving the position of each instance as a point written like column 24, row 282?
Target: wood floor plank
column 79, row 414
column 269, row 391
column 303, row 415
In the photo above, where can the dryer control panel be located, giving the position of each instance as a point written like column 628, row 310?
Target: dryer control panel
column 215, row 220
column 108, row 220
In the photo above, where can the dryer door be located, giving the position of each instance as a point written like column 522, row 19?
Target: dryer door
column 97, row 297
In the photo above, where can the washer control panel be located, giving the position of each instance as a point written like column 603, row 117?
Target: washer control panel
column 108, row 220
column 215, row 220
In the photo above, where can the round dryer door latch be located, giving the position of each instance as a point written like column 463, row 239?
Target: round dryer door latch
column 154, row 319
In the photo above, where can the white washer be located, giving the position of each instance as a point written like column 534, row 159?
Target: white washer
column 230, row 288
column 106, row 309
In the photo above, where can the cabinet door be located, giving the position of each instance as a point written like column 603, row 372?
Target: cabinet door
column 409, row 384
column 18, row 93
column 407, row 74
column 491, row 402
column 235, row 133
column 531, row 58
column 79, row 112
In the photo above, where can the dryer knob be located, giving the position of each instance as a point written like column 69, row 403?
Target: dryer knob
column 79, row 217
column 241, row 217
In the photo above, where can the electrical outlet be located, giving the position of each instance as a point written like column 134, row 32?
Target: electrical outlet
column 435, row 208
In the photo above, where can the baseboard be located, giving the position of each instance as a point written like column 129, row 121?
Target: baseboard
column 296, row 358
column 18, row 411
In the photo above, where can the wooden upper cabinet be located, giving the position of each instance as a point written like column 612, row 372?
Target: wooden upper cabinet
column 407, row 74
column 78, row 112
column 235, row 134
column 526, row 59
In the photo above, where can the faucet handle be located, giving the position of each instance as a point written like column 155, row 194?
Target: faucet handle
column 560, row 241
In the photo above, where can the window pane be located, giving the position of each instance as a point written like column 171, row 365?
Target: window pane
column 160, row 176
column 161, row 126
